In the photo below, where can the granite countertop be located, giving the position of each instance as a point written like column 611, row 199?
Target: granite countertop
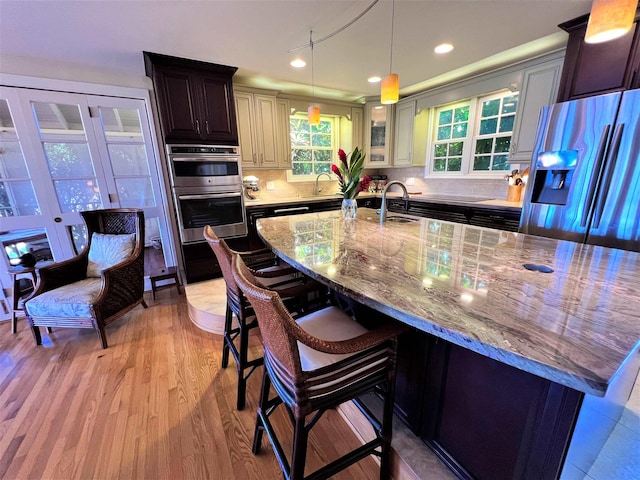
column 487, row 203
column 575, row 326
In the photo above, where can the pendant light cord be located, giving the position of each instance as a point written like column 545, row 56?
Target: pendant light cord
column 335, row 32
column 393, row 13
column 313, row 85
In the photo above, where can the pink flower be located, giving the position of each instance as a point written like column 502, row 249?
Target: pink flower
column 342, row 156
column 336, row 170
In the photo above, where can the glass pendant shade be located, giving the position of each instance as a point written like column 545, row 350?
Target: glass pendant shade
column 313, row 115
column 610, row 19
column 390, row 89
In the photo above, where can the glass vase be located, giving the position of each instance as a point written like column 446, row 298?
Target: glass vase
column 349, row 208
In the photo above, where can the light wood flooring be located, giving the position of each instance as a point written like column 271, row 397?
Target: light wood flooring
column 154, row 405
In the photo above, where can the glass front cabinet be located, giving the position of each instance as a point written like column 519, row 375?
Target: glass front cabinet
column 378, row 134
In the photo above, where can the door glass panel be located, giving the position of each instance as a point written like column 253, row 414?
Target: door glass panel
column 68, row 156
column 17, row 196
column 78, row 234
column 128, row 156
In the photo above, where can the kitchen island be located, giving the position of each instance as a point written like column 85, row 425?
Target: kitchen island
column 522, row 366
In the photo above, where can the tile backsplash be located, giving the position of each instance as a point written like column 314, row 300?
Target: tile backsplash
column 478, row 188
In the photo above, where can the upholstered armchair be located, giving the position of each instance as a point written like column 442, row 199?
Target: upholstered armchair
column 98, row 286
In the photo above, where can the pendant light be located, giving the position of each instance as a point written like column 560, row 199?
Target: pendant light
column 390, row 86
column 610, row 19
column 313, row 112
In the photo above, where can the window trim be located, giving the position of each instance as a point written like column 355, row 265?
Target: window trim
column 335, row 139
column 466, row 169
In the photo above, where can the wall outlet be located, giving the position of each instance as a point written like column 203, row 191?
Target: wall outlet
column 271, row 186
column 410, row 181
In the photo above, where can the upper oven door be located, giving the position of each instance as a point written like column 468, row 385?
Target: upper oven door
column 204, row 172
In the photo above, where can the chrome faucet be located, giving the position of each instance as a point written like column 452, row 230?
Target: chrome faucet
column 383, row 207
column 318, row 190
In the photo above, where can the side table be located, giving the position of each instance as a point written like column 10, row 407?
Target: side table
column 167, row 273
column 18, row 292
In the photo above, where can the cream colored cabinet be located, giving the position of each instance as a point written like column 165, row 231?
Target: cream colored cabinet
column 403, row 145
column 283, row 136
column 539, row 88
column 257, row 126
column 378, row 134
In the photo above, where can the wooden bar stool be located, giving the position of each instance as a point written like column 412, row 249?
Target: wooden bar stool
column 315, row 363
column 19, row 291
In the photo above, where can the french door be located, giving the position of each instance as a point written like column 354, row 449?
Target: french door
column 61, row 153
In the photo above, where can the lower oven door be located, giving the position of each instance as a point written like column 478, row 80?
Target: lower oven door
column 223, row 211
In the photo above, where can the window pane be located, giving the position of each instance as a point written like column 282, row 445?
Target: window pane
column 445, row 117
column 16, row 243
column 490, row 108
column 503, row 144
column 455, row 164
column 444, row 133
column 509, row 104
column 6, row 122
column 12, row 164
column 78, row 236
column 455, row 148
column 321, row 140
column 481, row 162
column 460, row 131
column 77, row 195
column 135, row 192
column 128, row 159
column 501, row 162
column 18, row 198
column 506, row 123
column 488, row 126
column 439, row 165
column 118, row 122
column 301, row 155
column 301, row 168
column 322, row 156
column 440, row 150
column 58, row 118
column 69, row 160
column 323, row 127
column 484, row 145
column 322, row 168
column 462, row 114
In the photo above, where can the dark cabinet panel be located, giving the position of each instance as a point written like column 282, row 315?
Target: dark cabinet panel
column 592, row 69
column 200, row 262
column 195, row 99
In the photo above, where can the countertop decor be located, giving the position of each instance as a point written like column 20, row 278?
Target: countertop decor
column 348, row 171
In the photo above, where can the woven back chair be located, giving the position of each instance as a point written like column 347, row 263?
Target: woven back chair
column 301, row 294
column 315, row 363
column 97, row 286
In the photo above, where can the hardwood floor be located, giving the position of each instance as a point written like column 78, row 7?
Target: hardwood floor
column 154, row 405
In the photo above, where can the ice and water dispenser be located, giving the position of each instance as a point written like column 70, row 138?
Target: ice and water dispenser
column 553, row 177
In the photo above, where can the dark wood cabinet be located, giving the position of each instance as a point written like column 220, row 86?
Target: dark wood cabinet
column 593, row 69
column 200, row 262
column 195, row 99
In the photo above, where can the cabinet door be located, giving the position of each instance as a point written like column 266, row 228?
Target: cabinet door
column 283, row 137
column 539, row 87
column 405, row 114
column 377, row 138
column 265, row 135
column 592, row 69
column 244, row 110
column 218, row 114
column 177, row 97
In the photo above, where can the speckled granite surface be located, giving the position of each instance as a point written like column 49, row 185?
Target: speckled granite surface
column 467, row 285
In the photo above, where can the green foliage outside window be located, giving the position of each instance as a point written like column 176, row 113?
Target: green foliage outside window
column 311, row 145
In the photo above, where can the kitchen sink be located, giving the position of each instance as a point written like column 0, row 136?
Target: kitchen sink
column 397, row 219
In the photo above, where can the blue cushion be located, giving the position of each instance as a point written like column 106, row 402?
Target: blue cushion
column 72, row 300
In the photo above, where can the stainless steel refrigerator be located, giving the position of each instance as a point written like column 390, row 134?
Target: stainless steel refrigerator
column 584, row 179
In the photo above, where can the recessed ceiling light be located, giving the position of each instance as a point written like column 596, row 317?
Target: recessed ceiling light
column 443, row 48
column 374, row 79
column 298, row 63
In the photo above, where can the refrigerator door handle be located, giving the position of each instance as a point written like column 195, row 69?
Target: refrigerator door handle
column 593, row 183
column 608, row 175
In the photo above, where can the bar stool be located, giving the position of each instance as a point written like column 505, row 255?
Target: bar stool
column 315, row 363
column 300, row 292
column 20, row 290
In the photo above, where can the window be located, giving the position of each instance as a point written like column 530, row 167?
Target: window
column 474, row 136
column 312, row 146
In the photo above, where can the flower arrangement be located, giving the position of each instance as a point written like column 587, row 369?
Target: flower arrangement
column 348, row 171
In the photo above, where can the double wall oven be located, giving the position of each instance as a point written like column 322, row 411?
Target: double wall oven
column 206, row 183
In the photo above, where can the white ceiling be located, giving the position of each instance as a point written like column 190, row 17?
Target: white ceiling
column 256, row 36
